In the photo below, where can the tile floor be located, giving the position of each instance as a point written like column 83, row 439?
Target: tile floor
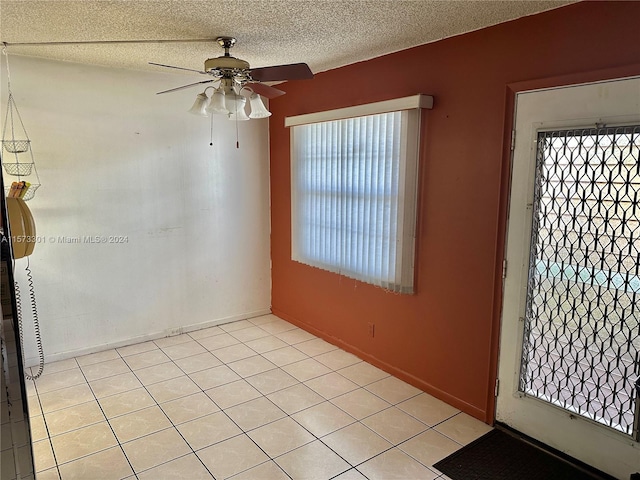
column 254, row 399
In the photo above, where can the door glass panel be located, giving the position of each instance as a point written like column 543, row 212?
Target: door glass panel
column 582, row 328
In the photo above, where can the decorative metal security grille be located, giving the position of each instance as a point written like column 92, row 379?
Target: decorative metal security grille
column 581, row 346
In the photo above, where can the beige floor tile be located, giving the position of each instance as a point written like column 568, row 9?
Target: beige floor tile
column 83, row 441
column 394, row 425
column 95, row 371
column 51, row 474
column 233, row 393
column 172, row 389
column 214, row 377
column 59, row 380
column 277, row 326
column 172, row 340
column 54, row 367
column 218, row 341
column 188, row 408
column 271, row 381
column 182, row 350
column 266, row 344
column 126, row 402
column 65, row 397
column 313, row 461
column 248, row 334
column 337, row 359
column 147, row 359
column 356, row 443
column 158, row 373
column 136, row 348
column 97, row 357
column 72, row 418
column 236, row 325
column 463, row 428
column 331, row 385
column 42, row 455
column 197, row 363
column 323, row 419
column 206, row 332
column 428, row 409
column 280, row 437
column 255, row 413
column 155, row 449
column 262, row 319
column 394, row 464
column 181, row 468
column 140, row 423
column 285, row 356
column 360, row 403
column 429, row 447
column 314, row 347
column 208, row 430
column 251, row 366
column 295, row 336
column 109, row 464
column 393, row 390
column 114, row 385
column 231, row 456
column 363, row 373
column 233, row 353
column 30, row 385
column 296, row 398
column 265, row 471
column 38, row 429
column 306, row 369
column 352, row 474
column 33, row 404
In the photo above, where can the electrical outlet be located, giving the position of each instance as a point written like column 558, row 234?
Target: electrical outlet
column 372, row 329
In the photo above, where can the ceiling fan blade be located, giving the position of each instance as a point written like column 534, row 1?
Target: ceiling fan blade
column 186, row 86
column 265, row 90
column 294, row 71
column 177, row 68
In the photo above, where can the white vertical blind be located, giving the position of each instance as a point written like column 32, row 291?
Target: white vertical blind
column 354, row 185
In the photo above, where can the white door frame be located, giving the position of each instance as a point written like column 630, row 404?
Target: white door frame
column 610, row 102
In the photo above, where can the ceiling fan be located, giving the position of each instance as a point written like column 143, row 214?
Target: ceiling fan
column 235, row 74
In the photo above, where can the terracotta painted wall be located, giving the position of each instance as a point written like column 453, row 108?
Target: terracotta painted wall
column 443, row 339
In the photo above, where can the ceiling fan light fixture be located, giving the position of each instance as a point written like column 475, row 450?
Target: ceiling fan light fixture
column 258, row 110
column 200, row 105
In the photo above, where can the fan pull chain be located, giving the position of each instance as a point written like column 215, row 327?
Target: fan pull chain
column 211, row 133
column 237, row 135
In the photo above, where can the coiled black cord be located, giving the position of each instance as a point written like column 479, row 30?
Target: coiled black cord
column 36, row 324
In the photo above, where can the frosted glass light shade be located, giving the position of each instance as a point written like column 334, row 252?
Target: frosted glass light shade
column 217, row 103
column 258, row 110
column 200, row 105
column 240, row 115
column 231, row 101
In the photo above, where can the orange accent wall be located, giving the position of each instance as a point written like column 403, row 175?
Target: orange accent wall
column 444, row 338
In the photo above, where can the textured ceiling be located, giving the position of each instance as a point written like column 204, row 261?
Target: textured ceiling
column 323, row 33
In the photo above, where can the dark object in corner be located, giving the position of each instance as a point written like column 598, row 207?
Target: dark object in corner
column 504, row 454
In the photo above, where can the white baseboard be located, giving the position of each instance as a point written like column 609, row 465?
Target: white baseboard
column 33, row 361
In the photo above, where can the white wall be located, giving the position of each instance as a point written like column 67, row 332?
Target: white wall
column 116, row 159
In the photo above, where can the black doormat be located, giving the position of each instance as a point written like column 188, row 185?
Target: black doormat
column 501, row 455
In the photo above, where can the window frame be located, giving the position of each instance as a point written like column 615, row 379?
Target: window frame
column 401, row 271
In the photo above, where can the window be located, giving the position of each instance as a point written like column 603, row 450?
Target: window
column 354, row 189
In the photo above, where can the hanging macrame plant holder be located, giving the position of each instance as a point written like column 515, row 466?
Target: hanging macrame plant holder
column 17, row 155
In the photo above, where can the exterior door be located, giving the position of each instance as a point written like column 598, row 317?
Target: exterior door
column 570, row 337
